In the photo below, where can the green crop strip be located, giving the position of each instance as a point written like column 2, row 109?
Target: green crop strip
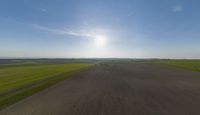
column 19, row 82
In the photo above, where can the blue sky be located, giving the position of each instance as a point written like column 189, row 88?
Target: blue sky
column 75, row 28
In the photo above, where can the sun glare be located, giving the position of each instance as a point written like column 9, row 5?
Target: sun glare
column 100, row 40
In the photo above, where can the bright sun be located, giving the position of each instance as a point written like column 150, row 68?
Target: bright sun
column 100, row 40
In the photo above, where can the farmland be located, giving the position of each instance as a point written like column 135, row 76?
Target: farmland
column 119, row 87
column 193, row 65
column 20, row 80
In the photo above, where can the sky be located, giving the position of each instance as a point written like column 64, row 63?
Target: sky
column 100, row 29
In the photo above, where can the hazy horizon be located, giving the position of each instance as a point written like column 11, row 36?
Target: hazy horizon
column 100, row 29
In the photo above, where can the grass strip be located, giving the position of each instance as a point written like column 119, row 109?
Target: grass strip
column 193, row 65
column 13, row 97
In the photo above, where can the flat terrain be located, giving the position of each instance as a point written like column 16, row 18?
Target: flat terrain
column 12, row 77
column 118, row 89
column 23, row 79
column 193, row 65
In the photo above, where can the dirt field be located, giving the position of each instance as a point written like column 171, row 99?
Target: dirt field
column 118, row 89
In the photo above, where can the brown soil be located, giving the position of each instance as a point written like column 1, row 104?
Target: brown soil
column 118, row 89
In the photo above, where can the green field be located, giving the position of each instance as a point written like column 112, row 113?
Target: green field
column 193, row 65
column 18, row 81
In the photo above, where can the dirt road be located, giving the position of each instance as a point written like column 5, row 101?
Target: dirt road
column 118, row 89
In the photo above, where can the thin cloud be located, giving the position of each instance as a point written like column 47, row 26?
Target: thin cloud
column 178, row 8
column 64, row 31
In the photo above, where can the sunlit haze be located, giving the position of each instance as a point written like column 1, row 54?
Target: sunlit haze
column 100, row 40
column 99, row 29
